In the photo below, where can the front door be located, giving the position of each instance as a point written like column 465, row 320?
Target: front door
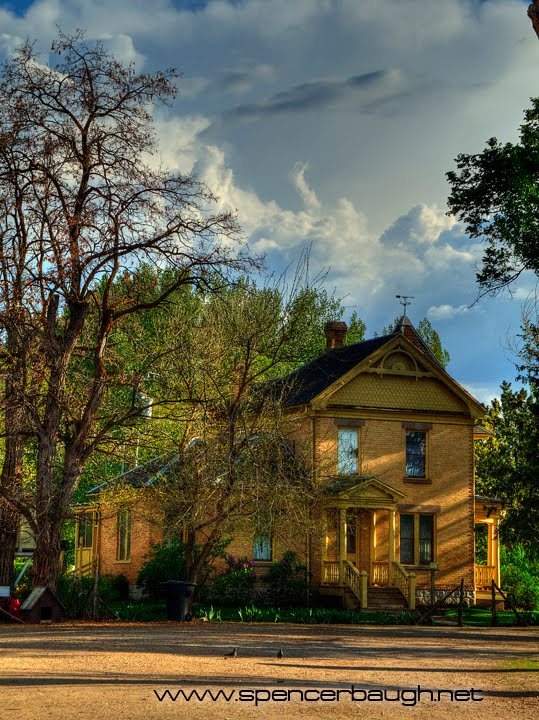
column 358, row 538
column 86, row 542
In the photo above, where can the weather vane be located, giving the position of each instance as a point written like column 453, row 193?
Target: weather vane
column 404, row 300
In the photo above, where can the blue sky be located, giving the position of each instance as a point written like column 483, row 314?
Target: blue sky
column 333, row 123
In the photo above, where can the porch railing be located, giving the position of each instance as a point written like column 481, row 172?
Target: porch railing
column 405, row 581
column 356, row 581
column 330, row 572
column 484, row 575
column 380, row 573
column 86, row 570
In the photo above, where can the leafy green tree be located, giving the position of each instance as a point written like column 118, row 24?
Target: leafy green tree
column 496, row 193
column 507, row 465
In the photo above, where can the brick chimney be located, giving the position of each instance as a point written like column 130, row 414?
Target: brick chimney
column 335, row 332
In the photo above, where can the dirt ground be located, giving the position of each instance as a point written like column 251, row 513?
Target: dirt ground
column 111, row 672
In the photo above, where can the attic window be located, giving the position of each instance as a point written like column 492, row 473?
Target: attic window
column 348, row 444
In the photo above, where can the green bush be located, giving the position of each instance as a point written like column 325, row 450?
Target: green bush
column 113, row 588
column 233, row 588
column 288, row 582
column 520, row 578
column 75, row 595
column 166, row 561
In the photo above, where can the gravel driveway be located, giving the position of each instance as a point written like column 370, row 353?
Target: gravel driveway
column 113, row 671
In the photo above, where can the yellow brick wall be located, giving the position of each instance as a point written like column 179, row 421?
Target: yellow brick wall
column 382, row 449
column 144, row 532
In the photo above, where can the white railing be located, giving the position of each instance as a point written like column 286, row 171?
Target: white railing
column 380, row 573
column 484, row 575
column 330, row 572
column 400, row 578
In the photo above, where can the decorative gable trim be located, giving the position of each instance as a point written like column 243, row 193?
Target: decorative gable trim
column 476, row 410
column 368, row 493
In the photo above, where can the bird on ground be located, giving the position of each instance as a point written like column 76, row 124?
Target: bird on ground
column 233, row 654
column 280, row 654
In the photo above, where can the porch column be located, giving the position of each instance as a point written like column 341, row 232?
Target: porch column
column 324, row 548
column 391, row 554
column 496, row 551
column 342, row 543
column 373, row 553
column 490, row 545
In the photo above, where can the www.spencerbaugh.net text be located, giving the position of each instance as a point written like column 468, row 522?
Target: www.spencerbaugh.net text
column 260, row 696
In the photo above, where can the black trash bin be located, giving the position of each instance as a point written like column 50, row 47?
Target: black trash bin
column 179, row 595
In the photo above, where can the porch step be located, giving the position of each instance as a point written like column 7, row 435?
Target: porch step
column 382, row 598
column 378, row 598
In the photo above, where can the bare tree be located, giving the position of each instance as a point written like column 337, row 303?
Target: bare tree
column 81, row 205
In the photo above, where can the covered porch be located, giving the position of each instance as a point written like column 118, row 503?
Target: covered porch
column 358, row 553
column 488, row 513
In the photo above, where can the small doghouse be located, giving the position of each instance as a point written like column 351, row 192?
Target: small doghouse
column 42, row 606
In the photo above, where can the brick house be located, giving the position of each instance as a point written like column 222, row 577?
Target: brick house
column 388, row 436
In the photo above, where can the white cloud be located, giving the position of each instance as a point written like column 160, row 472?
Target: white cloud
column 297, row 176
column 123, row 49
column 421, row 225
column 446, row 312
column 361, row 105
column 484, row 393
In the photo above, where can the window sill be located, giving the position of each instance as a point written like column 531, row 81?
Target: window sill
column 417, row 481
column 123, row 562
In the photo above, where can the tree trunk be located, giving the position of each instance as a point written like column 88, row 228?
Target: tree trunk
column 533, row 14
column 52, row 508
column 9, row 527
column 10, row 484
column 46, row 565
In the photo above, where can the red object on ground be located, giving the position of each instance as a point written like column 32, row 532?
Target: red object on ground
column 15, row 607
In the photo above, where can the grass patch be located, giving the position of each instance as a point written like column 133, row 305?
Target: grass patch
column 522, row 665
column 482, row 617
column 304, row 616
column 137, row 612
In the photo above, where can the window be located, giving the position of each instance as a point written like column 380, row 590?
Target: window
column 407, row 539
column 416, row 539
column 262, row 547
column 426, row 539
column 351, row 534
column 348, row 451
column 123, row 551
column 86, row 530
column 416, row 454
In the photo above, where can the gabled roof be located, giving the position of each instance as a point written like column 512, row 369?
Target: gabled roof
column 308, row 381
column 318, row 378
column 142, row 475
